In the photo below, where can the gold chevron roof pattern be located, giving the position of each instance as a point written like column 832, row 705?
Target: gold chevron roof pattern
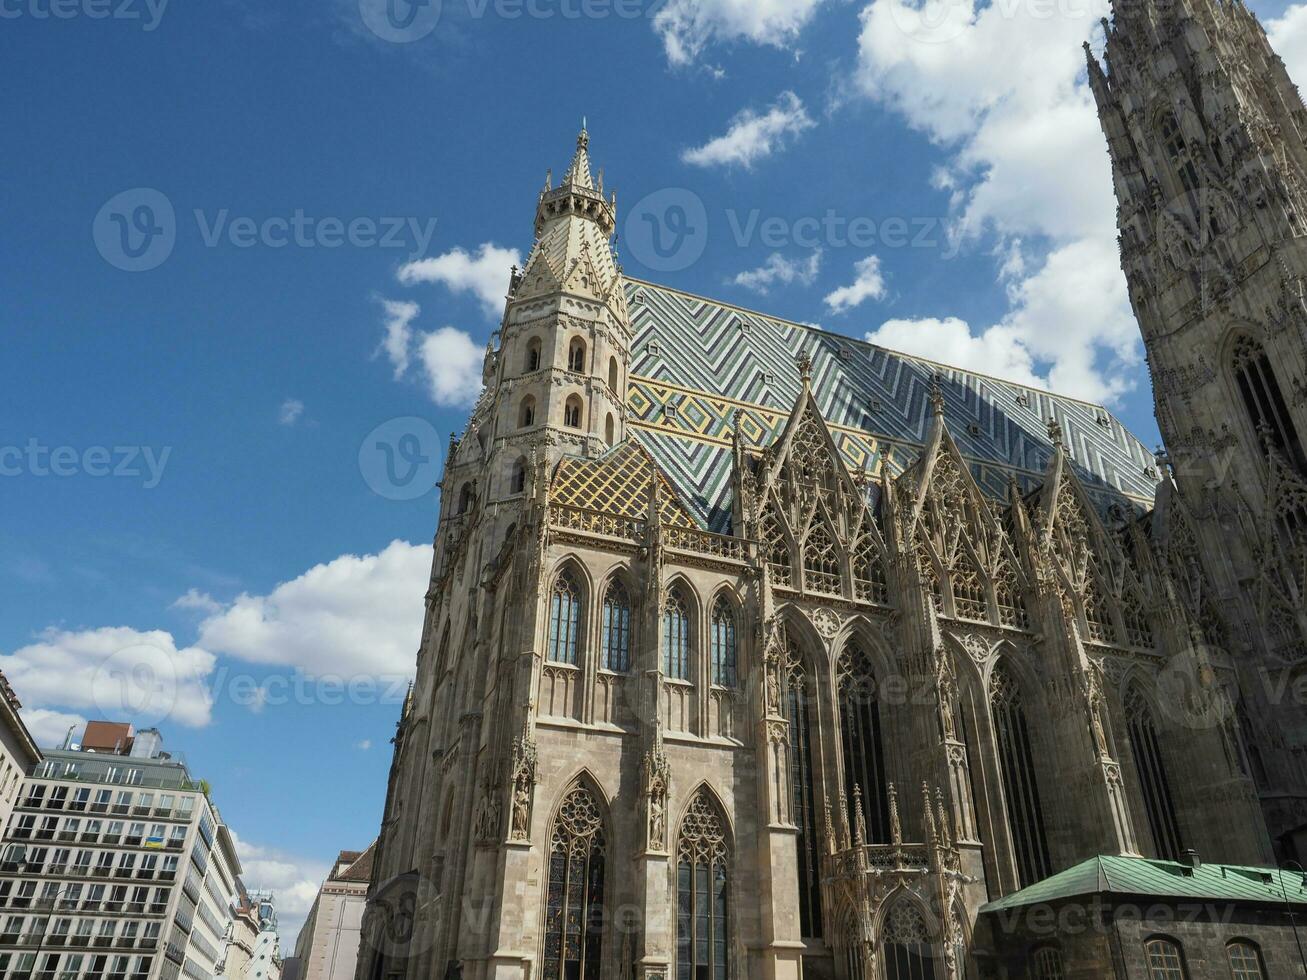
column 617, row 483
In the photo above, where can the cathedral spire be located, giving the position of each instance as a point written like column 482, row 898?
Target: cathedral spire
column 579, row 173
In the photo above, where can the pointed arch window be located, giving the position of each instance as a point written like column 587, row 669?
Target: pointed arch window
column 968, row 590
column 518, row 484
column 464, row 498
column 869, row 573
column 1098, row 618
column 724, row 641
column 526, row 415
column 778, row 550
column 1025, row 813
column 1156, row 786
column 574, row 908
column 930, row 579
column 610, row 429
column 1245, row 961
column 908, row 952
column 617, row 628
column 565, row 620
column 821, row 561
column 1011, row 605
column 576, row 356
column 1177, row 152
column 1165, row 960
column 572, row 412
column 532, row 362
column 1264, row 401
column 703, row 949
column 613, row 375
column 800, row 712
column 1138, row 631
column 861, row 738
column 676, row 636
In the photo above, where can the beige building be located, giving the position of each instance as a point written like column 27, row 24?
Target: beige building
column 18, row 752
column 328, row 944
column 754, row 651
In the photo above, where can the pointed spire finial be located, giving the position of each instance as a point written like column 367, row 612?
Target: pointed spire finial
column 895, row 825
column 1055, row 432
column 583, row 138
column 936, row 396
column 804, row 360
column 859, row 821
column 930, row 814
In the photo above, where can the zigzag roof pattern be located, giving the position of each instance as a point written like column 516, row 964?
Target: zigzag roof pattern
column 696, row 362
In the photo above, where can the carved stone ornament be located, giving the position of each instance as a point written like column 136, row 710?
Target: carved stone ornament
column 826, row 622
column 524, row 779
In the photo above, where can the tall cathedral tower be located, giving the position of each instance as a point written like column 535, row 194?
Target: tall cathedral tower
column 1206, row 136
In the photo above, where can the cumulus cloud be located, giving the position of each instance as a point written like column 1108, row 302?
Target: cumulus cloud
column 49, row 728
column 447, row 361
column 779, row 269
column 1288, row 34
column 1027, row 161
column 358, row 615
column 293, row 880
column 753, row 136
column 868, row 283
column 115, row 673
column 996, row 351
column 688, row 26
column 484, row 273
column 196, row 601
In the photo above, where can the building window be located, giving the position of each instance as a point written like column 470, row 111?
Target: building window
column 869, row 573
column 572, row 412
column 464, row 498
column 860, row 736
column 1177, row 151
column 1048, row 964
column 1245, row 961
column 1024, row 812
column 613, row 375
column 610, row 429
column 1153, row 781
column 564, row 620
column 526, row 415
column 908, row 953
column 617, row 629
column 518, row 484
column 702, row 894
column 779, row 562
column 723, row 644
column 532, row 355
column 676, row 637
column 1165, row 961
column 800, row 712
column 576, row 356
column 1264, row 401
column 574, row 908
column 821, row 562
column 968, row 591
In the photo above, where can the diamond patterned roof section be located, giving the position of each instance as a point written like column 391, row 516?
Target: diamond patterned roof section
column 617, row 483
column 695, row 362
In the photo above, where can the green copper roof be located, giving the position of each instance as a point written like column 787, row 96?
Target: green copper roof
column 1108, row 874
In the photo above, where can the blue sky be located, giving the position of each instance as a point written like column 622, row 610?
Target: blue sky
column 245, row 555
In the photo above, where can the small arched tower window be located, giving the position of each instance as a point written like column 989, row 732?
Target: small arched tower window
column 565, row 620
column 1177, row 152
column 526, row 415
column 576, row 356
column 518, row 484
column 1245, row 960
column 1165, row 960
column 723, row 644
column 610, row 429
column 532, row 355
column 1264, row 401
column 613, row 375
column 617, row 628
column 572, row 412
column 464, row 498
column 676, row 636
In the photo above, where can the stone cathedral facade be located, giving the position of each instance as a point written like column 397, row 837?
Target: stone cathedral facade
column 753, row 651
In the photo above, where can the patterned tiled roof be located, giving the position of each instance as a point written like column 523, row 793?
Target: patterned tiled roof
column 617, row 483
column 696, row 362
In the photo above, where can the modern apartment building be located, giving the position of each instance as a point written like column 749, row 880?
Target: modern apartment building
column 115, row 865
column 18, row 752
column 328, row 944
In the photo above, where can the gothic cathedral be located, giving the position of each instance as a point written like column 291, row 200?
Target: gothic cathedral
column 753, row 651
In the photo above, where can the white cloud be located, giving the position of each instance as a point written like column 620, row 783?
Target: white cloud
column 1288, row 34
column 196, row 601
column 452, row 365
column 353, row 616
column 1027, row 161
column 779, row 269
column 117, row 673
column 996, row 352
column 399, row 334
column 688, row 26
column 448, row 360
column 753, row 136
column 294, row 882
column 50, row 728
column 364, row 745
column 290, row 411
column 484, row 274
column 868, row 283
